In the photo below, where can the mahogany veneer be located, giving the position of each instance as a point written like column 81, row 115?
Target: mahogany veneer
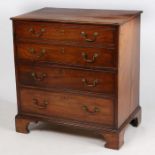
column 78, row 68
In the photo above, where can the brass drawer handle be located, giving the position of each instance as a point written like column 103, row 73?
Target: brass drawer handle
column 41, row 54
column 85, row 57
column 88, row 39
column 38, row 78
column 42, row 105
column 95, row 82
column 92, row 111
column 37, row 34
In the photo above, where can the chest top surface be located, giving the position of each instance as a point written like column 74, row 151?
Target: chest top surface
column 87, row 16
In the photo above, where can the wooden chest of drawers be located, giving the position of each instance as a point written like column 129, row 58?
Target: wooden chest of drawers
column 78, row 68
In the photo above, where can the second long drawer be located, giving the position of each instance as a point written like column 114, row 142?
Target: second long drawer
column 68, row 79
column 68, row 55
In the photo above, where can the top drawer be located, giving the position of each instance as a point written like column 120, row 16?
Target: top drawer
column 92, row 34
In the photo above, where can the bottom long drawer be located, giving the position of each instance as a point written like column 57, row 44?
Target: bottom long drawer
column 65, row 105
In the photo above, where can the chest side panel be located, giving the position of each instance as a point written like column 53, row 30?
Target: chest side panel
column 128, row 70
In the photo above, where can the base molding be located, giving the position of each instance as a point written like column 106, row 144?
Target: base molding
column 114, row 137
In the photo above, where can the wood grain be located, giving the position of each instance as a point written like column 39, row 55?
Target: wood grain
column 90, row 16
column 68, row 55
column 63, row 78
column 65, row 32
column 66, row 105
column 57, row 84
column 128, row 69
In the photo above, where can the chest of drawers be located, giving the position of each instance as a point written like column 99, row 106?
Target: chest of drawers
column 78, row 68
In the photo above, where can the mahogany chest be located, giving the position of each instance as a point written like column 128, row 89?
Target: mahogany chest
column 80, row 69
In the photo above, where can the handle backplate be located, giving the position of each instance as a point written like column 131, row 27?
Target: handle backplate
column 85, row 36
column 89, row 110
column 85, row 57
column 95, row 82
column 36, row 33
column 40, row 77
column 41, row 53
column 40, row 105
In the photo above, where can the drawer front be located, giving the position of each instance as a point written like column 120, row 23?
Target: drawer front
column 67, row 79
column 70, row 55
column 65, row 32
column 81, row 108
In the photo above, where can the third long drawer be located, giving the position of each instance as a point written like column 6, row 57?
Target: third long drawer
column 56, row 77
